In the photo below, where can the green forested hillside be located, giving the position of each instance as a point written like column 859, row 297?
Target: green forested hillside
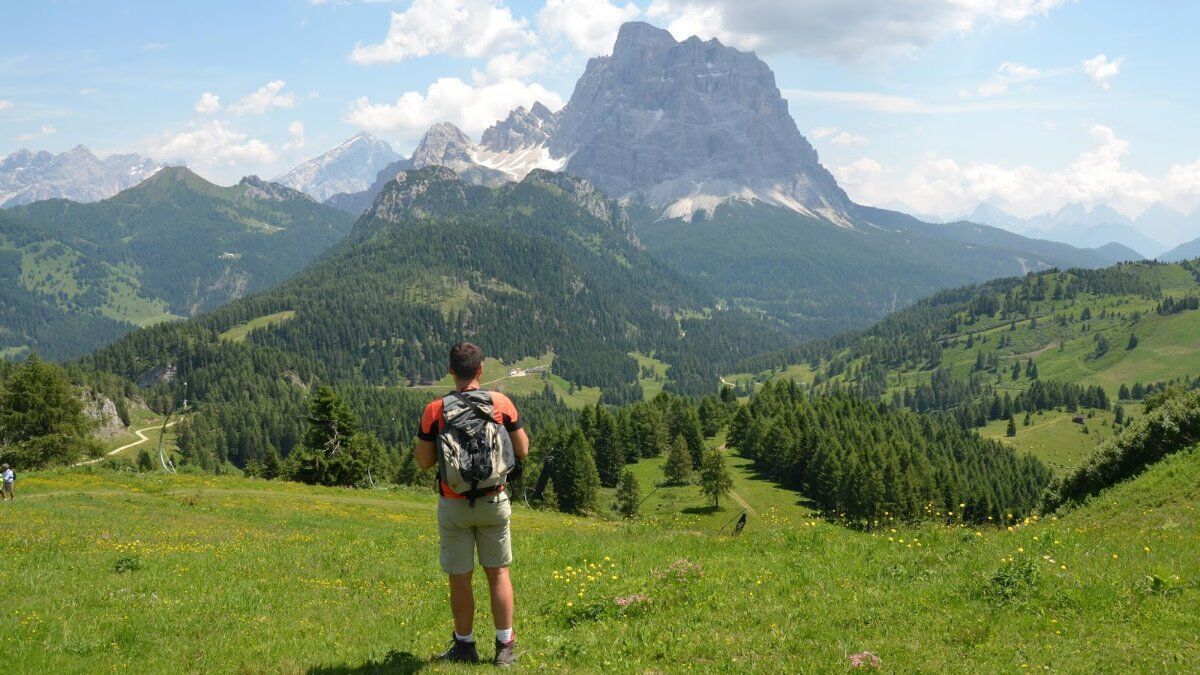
column 1085, row 342
column 175, row 245
column 820, row 279
column 547, row 265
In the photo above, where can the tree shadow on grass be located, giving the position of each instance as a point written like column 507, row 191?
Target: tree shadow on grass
column 701, row 510
column 395, row 663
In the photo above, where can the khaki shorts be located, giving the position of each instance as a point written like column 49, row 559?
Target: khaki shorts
column 463, row 529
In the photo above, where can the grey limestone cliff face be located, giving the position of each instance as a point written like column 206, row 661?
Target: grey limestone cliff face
column 521, row 129
column 683, row 120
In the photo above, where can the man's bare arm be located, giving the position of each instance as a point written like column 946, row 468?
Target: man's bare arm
column 520, row 442
column 426, row 454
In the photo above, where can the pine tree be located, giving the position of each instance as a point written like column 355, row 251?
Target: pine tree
column 333, row 452
column 145, row 463
column 576, row 483
column 1016, row 371
column 629, row 495
column 610, row 458
column 715, row 481
column 678, row 468
column 1012, row 427
column 408, row 473
column 1133, row 342
column 42, row 417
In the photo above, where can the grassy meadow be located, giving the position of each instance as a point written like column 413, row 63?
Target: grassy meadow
column 115, row 571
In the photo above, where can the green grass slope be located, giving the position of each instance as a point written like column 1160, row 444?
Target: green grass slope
column 150, row 573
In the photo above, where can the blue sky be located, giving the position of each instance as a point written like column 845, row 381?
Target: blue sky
column 933, row 105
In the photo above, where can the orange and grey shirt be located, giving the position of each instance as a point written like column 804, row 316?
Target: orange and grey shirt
column 432, row 420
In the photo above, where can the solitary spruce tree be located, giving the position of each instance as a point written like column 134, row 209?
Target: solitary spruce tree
column 576, row 483
column 629, row 494
column 715, row 480
column 678, row 469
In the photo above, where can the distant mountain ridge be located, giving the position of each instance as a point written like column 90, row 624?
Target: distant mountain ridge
column 1096, row 226
column 77, row 174
column 172, row 246
column 349, row 167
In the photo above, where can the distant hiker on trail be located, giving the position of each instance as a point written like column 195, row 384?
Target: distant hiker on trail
column 7, row 477
column 475, row 438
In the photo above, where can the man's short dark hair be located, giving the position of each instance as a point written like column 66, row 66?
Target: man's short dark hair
column 465, row 360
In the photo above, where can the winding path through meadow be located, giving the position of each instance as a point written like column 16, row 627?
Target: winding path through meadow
column 142, row 438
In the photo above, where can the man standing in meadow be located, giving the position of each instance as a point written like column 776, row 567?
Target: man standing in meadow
column 474, row 437
column 7, row 478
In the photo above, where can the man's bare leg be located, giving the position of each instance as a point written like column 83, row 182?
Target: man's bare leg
column 462, row 602
column 501, row 592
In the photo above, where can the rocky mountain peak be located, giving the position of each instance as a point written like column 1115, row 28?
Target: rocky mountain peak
column 349, row 167
column 77, row 174
column 588, row 197
column 443, row 145
column 257, row 188
column 686, row 125
column 521, row 129
column 429, row 191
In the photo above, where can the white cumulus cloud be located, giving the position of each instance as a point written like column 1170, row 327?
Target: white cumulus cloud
column 1102, row 69
column 838, row 136
column 208, row 103
column 212, row 145
column 511, row 65
column 257, row 102
column 5, row 104
column 1008, row 74
column 946, row 187
column 467, row 28
column 469, row 107
column 845, row 30
column 590, row 26
column 296, row 139
column 43, row 132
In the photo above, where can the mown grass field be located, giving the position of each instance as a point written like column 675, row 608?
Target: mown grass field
column 538, row 374
column 1055, row 438
column 108, row 570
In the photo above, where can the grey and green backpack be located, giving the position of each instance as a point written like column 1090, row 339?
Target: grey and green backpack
column 475, row 453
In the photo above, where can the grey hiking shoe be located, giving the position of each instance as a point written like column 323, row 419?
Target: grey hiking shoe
column 459, row 652
column 506, row 653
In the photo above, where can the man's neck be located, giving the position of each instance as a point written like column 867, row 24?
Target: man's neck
column 463, row 386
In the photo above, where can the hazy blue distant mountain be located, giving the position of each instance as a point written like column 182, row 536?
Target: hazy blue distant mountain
column 1186, row 251
column 78, row 175
column 1076, row 225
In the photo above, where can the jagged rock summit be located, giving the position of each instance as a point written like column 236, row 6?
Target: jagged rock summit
column 680, row 126
column 349, row 167
column 687, row 125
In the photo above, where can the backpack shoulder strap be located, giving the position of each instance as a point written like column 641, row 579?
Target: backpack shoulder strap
column 466, row 400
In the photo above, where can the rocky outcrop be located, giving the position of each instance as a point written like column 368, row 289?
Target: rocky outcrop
column 101, row 410
column 588, row 197
column 257, row 188
column 421, row 193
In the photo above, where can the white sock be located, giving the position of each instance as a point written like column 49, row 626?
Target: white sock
column 503, row 636
column 469, row 637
